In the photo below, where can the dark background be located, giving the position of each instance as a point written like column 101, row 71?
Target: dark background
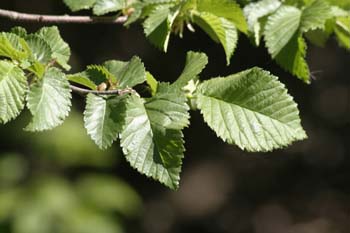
column 301, row 189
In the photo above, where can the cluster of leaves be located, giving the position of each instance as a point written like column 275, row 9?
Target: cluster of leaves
column 27, row 75
column 251, row 109
column 282, row 24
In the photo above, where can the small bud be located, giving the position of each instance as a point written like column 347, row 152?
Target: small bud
column 129, row 11
column 102, row 87
column 190, row 27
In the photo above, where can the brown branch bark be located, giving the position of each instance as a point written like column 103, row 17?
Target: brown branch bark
column 61, row 19
column 84, row 91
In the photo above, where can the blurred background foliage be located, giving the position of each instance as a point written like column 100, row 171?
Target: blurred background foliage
column 59, row 181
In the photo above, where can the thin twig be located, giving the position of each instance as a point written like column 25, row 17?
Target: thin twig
column 108, row 92
column 60, row 19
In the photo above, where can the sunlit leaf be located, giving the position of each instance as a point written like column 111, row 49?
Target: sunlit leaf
column 280, row 28
column 59, row 48
column 256, row 10
column 13, row 86
column 315, row 15
column 252, row 110
column 49, row 101
column 227, row 9
column 102, row 7
column 76, row 5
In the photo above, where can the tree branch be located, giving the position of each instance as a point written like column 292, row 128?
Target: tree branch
column 109, row 92
column 61, row 19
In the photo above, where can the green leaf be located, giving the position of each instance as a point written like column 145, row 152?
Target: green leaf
column 292, row 58
column 93, row 76
column 158, row 26
column 152, row 138
column 256, row 10
column 101, row 72
column 114, row 67
column 41, row 50
column 49, row 101
column 37, row 68
column 319, row 37
column 13, row 85
column 138, row 8
column 128, row 74
column 195, row 63
column 345, row 4
column 19, row 31
column 77, row 5
column 60, row 49
column 315, row 15
column 342, row 31
column 155, row 19
column 82, row 79
column 168, row 109
column 106, row 6
column 12, row 46
column 280, row 28
column 152, row 83
column 104, row 118
column 220, row 30
column 251, row 109
column 227, row 9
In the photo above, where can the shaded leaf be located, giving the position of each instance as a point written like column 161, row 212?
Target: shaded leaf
column 93, row 76
column 342, row 31
column 82, row 79
column 292, row 58
column 220, row 30
column 152, row 138
column 195, row 63
column 318, row 36
column 104, row 118
column 158, row 26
